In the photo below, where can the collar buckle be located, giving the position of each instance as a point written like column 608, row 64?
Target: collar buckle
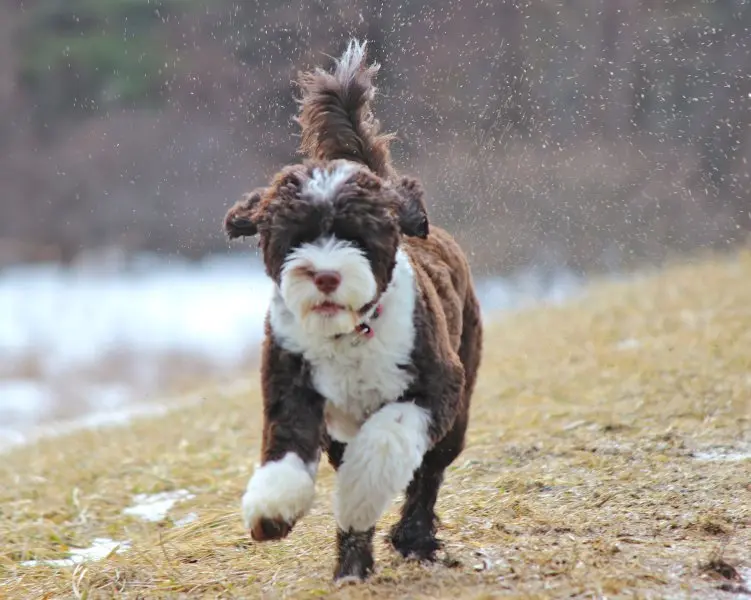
column 364, row 329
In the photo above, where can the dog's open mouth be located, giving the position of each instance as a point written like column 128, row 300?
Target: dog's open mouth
column 327, row 308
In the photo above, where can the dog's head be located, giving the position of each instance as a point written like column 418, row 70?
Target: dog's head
column 329, row 233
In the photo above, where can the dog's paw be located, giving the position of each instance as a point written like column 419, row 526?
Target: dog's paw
column 415, row 539
column 264, row 529
column 345, row 580
column 355, row 562
column 279, row 493
column 353, row 570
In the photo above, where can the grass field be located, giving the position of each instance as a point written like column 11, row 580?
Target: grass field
column 609, row 456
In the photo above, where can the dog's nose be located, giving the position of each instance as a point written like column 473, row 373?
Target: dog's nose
column 327, row 281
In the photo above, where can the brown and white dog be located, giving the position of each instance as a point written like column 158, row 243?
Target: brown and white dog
column 373, row 336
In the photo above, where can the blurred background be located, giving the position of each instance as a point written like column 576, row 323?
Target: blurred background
column 557, row 139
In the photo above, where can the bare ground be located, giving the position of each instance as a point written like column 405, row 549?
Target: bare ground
column 609, row 456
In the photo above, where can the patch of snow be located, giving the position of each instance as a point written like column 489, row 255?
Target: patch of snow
column 628, row 344
column 10, row 438
column 154, row 507
column 575, row 425
column 723, row 454
column 186, row 520
column 526, row 287
column 22, row 400
column 489, row 558
column 107, row 397
column 100, row 548
column 215, row 306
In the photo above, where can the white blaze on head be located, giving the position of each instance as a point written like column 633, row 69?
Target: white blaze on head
column 300, row 294
column 324, row 183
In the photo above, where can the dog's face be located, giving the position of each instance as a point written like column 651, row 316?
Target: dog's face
column 329, row 233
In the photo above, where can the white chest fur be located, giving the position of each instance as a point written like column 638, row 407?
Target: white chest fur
column 357, row 376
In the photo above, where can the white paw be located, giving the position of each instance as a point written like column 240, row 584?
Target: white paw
column 281, row 490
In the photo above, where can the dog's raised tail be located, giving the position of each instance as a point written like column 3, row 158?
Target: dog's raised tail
column 336, row 117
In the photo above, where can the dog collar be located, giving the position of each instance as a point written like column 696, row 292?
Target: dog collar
column 364, row 329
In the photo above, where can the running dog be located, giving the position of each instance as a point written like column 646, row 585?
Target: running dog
column 373, row 336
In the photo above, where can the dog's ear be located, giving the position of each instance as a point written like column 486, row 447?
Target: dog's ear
column 411, row 211
column 242, row 219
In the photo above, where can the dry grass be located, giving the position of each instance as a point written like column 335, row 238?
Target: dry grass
column 581, row 477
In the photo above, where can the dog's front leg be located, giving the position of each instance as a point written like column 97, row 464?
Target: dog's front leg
column 377, row 464
column 282, row 488
column 382, row 459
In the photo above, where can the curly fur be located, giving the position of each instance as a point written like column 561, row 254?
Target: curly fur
column 336, row 116
column 390, row 408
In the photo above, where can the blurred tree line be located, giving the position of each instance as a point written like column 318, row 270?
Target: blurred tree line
column 586, row 133
column 79, row 57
